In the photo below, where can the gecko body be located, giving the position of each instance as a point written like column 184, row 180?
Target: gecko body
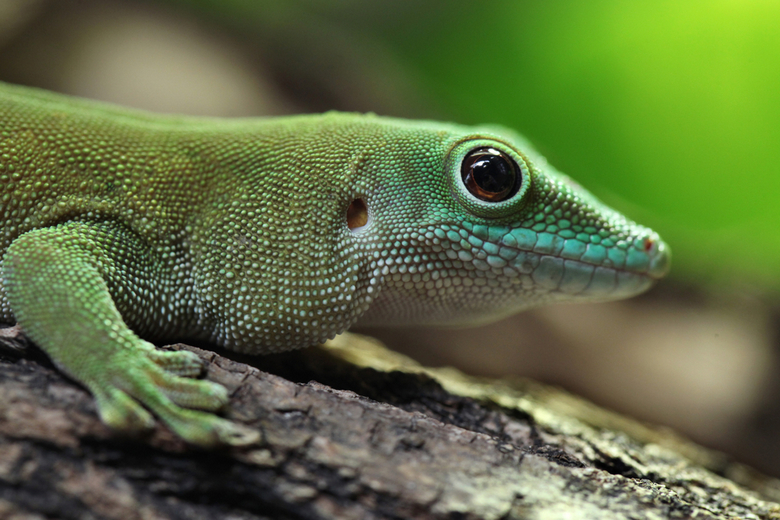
column 264, row 235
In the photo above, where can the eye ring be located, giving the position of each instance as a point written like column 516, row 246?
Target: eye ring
column 490, row 175
column 506, row 201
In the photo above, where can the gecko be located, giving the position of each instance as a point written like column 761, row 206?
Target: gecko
column 119, row 228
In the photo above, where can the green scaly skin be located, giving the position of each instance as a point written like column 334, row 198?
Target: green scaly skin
column 117, row 225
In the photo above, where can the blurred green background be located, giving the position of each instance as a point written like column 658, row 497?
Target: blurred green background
column 667, row 110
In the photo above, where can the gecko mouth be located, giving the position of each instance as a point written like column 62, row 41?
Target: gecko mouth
column 656, row 267
column 604, row 280
column 578, row 278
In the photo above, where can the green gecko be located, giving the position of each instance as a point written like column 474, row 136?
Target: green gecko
column 270, row 234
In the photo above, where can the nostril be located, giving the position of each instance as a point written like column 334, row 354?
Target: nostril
column 649, row 243
column 357, row 214
column 661, row 259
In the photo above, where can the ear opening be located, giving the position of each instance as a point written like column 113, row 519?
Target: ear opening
column 357, row 215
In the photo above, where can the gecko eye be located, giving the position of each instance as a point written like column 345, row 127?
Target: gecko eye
column 490, row 174
column 488, row 177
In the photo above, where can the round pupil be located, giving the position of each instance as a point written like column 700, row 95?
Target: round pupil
column 490, row 174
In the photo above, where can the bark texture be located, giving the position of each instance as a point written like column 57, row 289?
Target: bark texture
column 351, row 430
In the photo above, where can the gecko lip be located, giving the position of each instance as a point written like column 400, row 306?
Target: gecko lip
column 655, row 266
column 628, row 281
column 599, row 280
column 593, row 282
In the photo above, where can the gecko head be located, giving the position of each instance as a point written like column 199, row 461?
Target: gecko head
column 502, row 231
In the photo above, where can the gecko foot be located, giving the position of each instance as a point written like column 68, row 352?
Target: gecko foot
column 139, row 379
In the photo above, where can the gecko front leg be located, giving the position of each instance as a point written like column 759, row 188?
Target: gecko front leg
column 57, row 282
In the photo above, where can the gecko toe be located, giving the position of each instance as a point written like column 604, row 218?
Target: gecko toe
column 120, row 412
column 182, row 363
column 204, row 395
column 206, row 430
column 233, row 434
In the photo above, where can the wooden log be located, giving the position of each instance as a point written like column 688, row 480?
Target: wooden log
column 352, row 430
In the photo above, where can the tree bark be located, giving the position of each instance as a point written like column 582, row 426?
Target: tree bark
column 351, row 430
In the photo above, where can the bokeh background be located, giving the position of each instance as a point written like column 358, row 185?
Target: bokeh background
column 667, row 110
